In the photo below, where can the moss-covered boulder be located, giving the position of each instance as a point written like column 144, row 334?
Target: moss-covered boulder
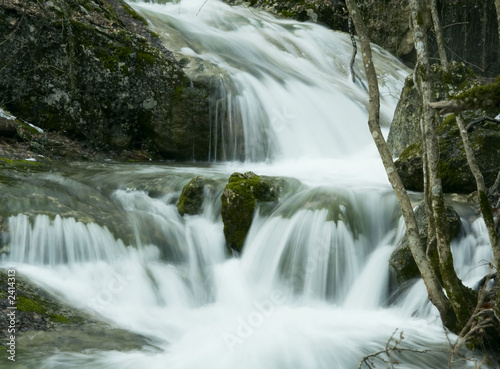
column 402, row 261
column 239, row 200
column 405, row 127
column 193, row 195
column 92, row 70
column 455, row 173
column 404, row 136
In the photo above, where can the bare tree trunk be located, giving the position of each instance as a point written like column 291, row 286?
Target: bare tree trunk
column 434, row 289
column 431, row 226
column 452, row 283
column 439, row 35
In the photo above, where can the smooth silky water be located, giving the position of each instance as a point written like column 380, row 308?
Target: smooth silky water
column 307, row 292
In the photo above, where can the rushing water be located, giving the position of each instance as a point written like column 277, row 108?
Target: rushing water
column 307, row 292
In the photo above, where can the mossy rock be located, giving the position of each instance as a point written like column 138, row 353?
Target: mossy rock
column 193, row 195
column 405, row 136
column 456, row 176
column 239, row 200
column 36, row 309
column 402, row 261
column 45, row 325
column 21, row 165
column 405, row 127
column 93, row 71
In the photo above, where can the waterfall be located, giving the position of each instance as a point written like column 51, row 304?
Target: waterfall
column 290, row 93
column 312, row 288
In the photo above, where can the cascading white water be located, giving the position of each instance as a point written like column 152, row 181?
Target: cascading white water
column 290, row 90
column 312, row 287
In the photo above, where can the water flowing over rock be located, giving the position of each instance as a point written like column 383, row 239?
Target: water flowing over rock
column 311, row 288
column 239, row 200
column 46, row 318
column 193, row 195
column 94, row 71
column 388, row 25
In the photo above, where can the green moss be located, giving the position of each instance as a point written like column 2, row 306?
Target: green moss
column 38, row 306
column 193, row 195
column 133, row 13
column 29, row 306
column 288, row 14
column 145, row 59
column 60, row 319
column 411, row 151
column 239, row 200
column 482, row 96
column 237, row 212
column 18, row 164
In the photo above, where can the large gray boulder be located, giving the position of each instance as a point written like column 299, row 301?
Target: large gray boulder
column 92, row 70
column 404, row 136
column 405, row 127
column 456, row 176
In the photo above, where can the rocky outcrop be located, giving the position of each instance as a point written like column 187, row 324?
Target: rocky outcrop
column 404, row 136
column 455, row 173
column 405, row 127
column 193, row 195
column 33, row 188
column 402, row 261
column 36, row 309
column 239, row 200
column 92, row 70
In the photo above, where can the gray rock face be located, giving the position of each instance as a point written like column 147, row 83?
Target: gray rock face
column 94, row 71
column 455, row 173
column 405, row 127
column 404, row 136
